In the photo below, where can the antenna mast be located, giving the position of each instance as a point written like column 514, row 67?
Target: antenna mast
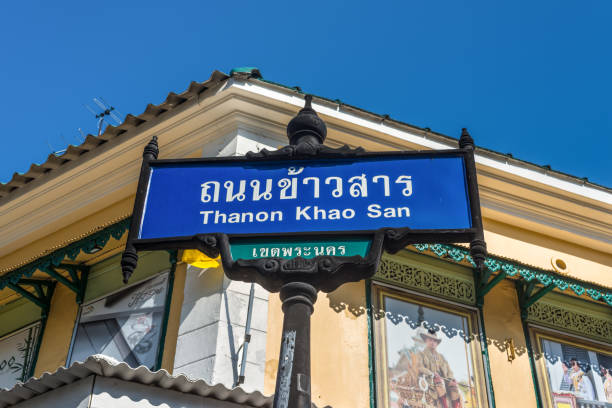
column 107, row 112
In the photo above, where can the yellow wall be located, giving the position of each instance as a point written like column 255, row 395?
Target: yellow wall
column 58, row 331
column 538, row 250
column 339, row 348
column 62, row 317
column 512, row 381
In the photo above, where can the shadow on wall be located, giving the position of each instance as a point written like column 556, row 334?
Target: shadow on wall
column 342, row 301
column 339, row 301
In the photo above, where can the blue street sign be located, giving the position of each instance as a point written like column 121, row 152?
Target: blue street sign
column 297, row 196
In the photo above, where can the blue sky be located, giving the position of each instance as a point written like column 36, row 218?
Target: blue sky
column 531, row 78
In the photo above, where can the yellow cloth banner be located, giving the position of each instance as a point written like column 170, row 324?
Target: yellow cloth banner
column 199, row 259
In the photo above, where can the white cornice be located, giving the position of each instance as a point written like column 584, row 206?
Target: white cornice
column 429, row 141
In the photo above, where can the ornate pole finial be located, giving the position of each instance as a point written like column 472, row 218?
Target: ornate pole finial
column 465, row 140
column 306, row 126
column 151, row 150
column 308, row 101
column 129, row 261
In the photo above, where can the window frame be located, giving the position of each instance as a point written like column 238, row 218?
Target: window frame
column 538, row 333
column 34, row 348
column 380, row 357
column 165, row 313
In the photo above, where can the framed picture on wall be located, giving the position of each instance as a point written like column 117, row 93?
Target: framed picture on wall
column 573, row 370
column 125, row 325
column 17, row 353
column 427, row 354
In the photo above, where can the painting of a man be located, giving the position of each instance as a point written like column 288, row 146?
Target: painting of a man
column 428, row 357
column 442, row 387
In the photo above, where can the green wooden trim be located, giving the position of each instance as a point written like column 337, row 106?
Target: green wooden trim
column 82, row 285
column 413, row 271
column 534, row 377
column 18, row 314
column 43, row 300
column 27, row 295
column 537, row 296
column 164, row 328
column 71, row 251
column 32, row 330
column 371, row 363
column 41, row 330
column 461, row 256
column 491, row 284
column 485, row 356
column 61, row 279
column 587, row 320
column 27, row 368
column 105, row 276
column 76, row 284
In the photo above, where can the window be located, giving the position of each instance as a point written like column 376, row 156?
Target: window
column 573, row 373
column 428, row 355
column 17, row 352
column 125, row 325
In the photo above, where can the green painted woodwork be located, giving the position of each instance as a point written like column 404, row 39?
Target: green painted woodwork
column 164, row 326
column 532, row 364
column 105, row 277
column 17, row 314
column 243, row 70
column 428, row 275
column 290, row 248
column 493, row 264
column 87, row 244
column 485, row 355
column 371, row 363
column 572, row 315
column 36, row 350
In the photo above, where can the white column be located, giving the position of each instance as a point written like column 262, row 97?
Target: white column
column 214, row 310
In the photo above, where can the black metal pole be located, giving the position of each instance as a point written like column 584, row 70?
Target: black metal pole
column 293, row 376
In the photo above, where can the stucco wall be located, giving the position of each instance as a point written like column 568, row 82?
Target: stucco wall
column 339, row 347
column 212, row 326
column 512, row 381
column 58, row 331
column 539, row 250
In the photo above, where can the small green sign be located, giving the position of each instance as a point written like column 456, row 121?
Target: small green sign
column 287, row 248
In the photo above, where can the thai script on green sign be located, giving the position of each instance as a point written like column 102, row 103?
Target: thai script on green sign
column 266, row 248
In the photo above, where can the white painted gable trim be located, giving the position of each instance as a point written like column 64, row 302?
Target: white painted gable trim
column 520, row 169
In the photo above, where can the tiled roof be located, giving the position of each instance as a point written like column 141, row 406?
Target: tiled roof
column 107, row 367
column 72, row 153
column 193, row 91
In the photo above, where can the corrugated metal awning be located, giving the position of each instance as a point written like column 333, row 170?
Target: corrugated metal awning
column 107, row 367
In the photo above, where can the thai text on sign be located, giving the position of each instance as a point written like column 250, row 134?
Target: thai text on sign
column 306, row 196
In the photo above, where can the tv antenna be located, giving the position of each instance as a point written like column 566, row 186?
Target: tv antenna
column 107, row 114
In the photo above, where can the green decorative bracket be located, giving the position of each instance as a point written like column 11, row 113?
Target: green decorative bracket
column 44, row 291
column 512, row 269
column 173, row 256
column 77, row 280
column 528, row 295
column 53, row 260
column 484, row 285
